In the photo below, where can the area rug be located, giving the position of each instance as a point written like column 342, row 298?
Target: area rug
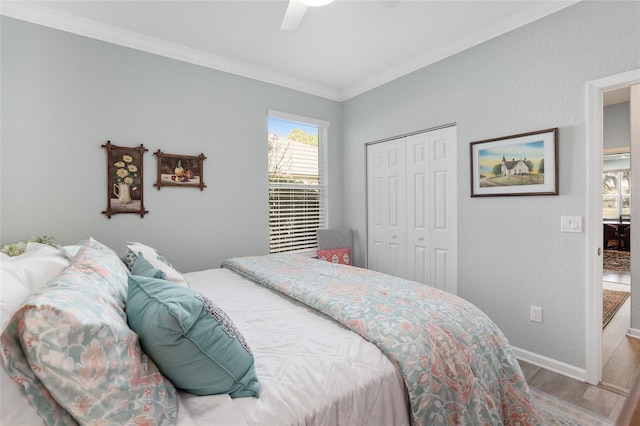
column 612, row 301
column 616, row 261
column 555, row 411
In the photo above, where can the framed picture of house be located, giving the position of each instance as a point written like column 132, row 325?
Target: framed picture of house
column 523, row 164
column 180, row 170
column 124, row 180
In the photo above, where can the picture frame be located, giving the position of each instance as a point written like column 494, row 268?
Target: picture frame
column 180, row 170
column 125, row 188
column 522, row 164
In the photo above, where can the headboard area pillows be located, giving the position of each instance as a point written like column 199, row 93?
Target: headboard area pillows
column 70, row 347
column 193, row 342
column 142, row 267
column 37, row 265
column 156, row 260
column 19, row 277
column 25, row 273
column 341, row 255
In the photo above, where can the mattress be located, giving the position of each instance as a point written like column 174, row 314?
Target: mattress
column 311, row 369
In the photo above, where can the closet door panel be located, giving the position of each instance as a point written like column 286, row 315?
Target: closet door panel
column 396, row 197
column 417, row 172
column 377, row 256
column 377, row 216
column 440, row 268
column 443, row 226
column 386, row 207
column 396, row 200
column 396, row 259
column 419, row 264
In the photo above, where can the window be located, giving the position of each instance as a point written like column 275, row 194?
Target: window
column 297, row 182
column 616, row 194
column 616, row 186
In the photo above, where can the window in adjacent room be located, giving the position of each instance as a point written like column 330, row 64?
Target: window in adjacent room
column 297, row 182
column 616, row 188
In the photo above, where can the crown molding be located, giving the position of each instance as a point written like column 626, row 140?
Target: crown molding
column 92, row 29
column 40, row 15
column 542, row 9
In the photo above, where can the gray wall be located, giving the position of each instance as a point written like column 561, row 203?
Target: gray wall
column 616, row 126
column 511, row 252
column 63, row 96
column 616, row 133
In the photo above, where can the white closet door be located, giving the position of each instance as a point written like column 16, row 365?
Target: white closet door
column 376, row 211
column 418, row 202
column 412, row 208
column 443, row 207
column 386, row 192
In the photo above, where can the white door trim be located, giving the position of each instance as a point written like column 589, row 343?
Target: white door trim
column 594, row 125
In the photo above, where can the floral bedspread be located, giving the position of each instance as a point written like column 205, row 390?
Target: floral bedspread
column 457, row 365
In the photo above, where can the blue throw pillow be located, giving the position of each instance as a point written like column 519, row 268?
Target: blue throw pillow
column 142, row 267
column 191, row 340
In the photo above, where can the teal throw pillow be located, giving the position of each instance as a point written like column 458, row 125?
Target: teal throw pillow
column 142, row 267
column 191, row 340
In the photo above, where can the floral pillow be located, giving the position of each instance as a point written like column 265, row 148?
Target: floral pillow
column 156, row 259
column 20, row 275
column 342, row 256
column 71, row 349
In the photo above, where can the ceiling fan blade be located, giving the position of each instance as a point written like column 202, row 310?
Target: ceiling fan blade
column 293, row 15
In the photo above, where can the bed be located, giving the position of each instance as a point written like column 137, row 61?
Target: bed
column 90, row 337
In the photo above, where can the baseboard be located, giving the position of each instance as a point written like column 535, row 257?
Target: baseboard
column 552, row 364
column 633, row 332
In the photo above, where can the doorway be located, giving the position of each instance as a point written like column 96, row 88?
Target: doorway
column 595, row 112
column 619, row 366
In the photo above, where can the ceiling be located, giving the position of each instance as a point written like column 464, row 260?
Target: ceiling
column 337, row 51
column 616, row 96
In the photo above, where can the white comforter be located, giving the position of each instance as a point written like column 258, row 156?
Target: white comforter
column 311, row 369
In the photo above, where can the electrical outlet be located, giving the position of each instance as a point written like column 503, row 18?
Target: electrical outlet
column 536, row 314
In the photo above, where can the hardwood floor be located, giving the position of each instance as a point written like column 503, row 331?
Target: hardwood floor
column 620, row 353
column 597, row 399
column 620, row 360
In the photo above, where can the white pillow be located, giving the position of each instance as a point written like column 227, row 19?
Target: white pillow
column 36, row 266
column 12, row 294
column 71, row 251
column 156, row 260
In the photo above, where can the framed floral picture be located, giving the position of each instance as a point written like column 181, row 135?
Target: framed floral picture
column 180, row 170
column 124, row 180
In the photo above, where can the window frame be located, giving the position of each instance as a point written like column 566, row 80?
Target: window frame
column 323, row 178
column 619, row 195
column 617, row 162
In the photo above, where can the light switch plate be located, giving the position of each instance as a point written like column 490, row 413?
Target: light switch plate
column 571, row 224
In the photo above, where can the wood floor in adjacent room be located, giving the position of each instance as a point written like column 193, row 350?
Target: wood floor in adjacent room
column 620, row 353
column 620, row 360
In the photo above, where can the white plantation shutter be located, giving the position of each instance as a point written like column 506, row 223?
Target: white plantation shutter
column 297, row 188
